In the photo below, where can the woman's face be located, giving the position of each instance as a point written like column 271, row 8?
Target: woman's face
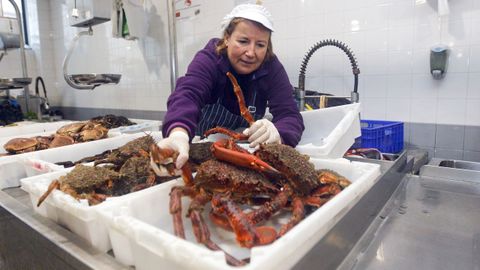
column 247, row 47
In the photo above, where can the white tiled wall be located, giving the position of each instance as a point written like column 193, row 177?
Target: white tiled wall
column 391, row 39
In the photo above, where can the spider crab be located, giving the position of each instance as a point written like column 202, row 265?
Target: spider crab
column 125, row 169
column 277, row 173
column 84, row 182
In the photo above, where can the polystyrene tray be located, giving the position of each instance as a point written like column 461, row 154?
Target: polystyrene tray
column 77, row 216
column 141, row 230
column 330, row 132
column 31, row 127
column 13, row 168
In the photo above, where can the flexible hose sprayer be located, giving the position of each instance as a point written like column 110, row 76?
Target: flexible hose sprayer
column 306, row 58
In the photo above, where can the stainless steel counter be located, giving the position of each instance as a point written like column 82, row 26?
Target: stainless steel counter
column 431, row 222
column 405, row 221
column 30, row 241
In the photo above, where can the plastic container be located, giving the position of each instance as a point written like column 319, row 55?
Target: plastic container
column 25, row 128
column 386, row 136
column 330, row 132
column 141, row 228
column 77, row 216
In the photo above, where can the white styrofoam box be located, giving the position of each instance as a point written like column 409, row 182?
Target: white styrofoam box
column 75, row 215
column 31, row 127
column 141, row 227
column 35, row 166
column 141, row 125
column 15, row 167
column 330, row 132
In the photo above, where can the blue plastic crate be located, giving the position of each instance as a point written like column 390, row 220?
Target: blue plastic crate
column 386, row 136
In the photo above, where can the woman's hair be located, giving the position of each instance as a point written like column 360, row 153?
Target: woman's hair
column 222, row 47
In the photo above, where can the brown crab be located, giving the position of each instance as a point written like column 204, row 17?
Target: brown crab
column 60, row 140
column 84, row 131
column 91, row 132
column 71, row 129
column 24, row 145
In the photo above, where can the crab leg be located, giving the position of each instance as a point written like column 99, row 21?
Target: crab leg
column 269, row 208
column 230, row 133
column 176, row 195
column 241, row 100
column 200, row 229
column 298, row 213
column 330, row 177
column 256, row 216
column 247, row 235
column 55, row 184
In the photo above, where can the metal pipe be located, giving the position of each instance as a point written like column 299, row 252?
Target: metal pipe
column 172, row 37
column 23, row 59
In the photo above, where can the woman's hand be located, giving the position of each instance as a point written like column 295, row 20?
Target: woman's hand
column 262, row 131
column 177, row 140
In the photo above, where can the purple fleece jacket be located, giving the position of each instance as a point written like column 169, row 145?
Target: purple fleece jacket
column 206, row 81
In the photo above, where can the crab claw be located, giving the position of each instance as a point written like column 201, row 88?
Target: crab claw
column 162, row 161
column 241, row 158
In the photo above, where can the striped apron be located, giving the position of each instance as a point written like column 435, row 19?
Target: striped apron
column 216, row 114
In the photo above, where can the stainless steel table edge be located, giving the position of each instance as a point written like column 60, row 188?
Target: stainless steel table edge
column 62, row 245
column 337, row 244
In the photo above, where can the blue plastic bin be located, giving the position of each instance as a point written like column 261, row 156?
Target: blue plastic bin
column 386, row 136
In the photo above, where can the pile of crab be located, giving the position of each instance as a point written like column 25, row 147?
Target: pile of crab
column 93, row 129
column 113, row 173
column 244, row 190
column 120, row 171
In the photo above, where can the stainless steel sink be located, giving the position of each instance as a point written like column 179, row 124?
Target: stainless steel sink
column 460, row 164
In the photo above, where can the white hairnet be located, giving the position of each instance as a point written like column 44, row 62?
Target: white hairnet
column 251, row 12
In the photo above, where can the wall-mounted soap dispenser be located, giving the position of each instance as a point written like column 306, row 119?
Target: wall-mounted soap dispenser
column 439, row 61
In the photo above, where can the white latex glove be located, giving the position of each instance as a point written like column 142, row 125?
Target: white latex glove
column 178, row 141
column 262, row 131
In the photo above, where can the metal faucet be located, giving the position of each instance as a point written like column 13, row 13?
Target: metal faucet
column 301, row 78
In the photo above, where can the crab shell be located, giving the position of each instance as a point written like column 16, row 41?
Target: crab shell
column 43, row 142
column 71, row 129
column 21, row 145
column 215, row 176
column 93, row 132
column 61, row 140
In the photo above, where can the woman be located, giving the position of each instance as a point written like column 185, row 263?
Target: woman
column 204, row 97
